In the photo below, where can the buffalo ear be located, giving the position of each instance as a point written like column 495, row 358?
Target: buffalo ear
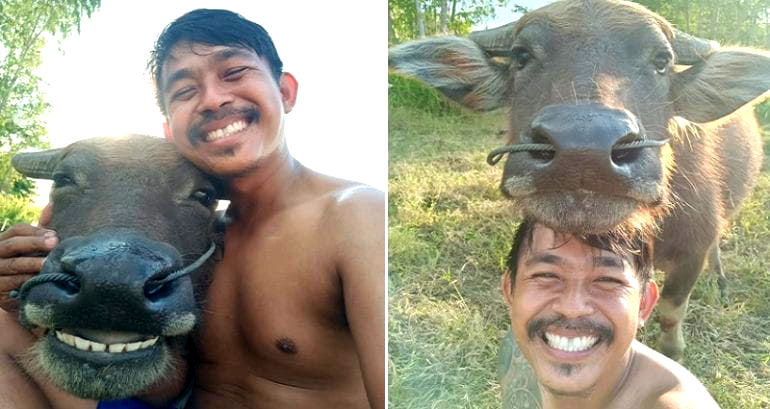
column 457, row 67
column 725, row 81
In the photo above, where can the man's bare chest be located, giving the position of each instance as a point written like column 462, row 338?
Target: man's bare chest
column 277, row 301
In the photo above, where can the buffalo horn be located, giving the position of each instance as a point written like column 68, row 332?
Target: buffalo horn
column 38, row 165
column 690, row 49
column 496, row 42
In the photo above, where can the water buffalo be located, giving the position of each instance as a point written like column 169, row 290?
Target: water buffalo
column 122, row 291
column 617, row 121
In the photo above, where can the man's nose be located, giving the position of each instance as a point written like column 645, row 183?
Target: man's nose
column 214, row 96
column 574, row 302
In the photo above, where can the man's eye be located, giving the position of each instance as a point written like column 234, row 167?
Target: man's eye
column 544, row 276
column 609, row 281
column 183, row 94
column 235, row 73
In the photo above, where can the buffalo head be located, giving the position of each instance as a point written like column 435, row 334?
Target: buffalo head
column 601, row 95
column 118, row 297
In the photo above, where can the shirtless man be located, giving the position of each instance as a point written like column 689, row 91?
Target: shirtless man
column 575, row 305
column 294, row 316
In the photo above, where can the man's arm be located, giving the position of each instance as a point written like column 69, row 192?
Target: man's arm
column 18, row 390
column 360, row 221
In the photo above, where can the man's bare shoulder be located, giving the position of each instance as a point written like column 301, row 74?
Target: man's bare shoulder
column 670, row 385
column 345, row 201
column 356, row 210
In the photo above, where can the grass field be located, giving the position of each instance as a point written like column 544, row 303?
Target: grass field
column 449, row 231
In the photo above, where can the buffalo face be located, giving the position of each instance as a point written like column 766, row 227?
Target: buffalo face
column 604, row 87
column 130, row 213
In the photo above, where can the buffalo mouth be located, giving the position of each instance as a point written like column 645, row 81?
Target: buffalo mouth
column 585, row 212
column 80, row 361
column 106, row 345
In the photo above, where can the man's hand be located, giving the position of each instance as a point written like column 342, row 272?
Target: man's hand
column 17, row 265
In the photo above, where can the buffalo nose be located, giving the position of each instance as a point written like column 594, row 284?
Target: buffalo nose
column 115, row 277
column 591, row 132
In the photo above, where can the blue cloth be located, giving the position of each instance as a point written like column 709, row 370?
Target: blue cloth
column 132, row 403
column 123, row 404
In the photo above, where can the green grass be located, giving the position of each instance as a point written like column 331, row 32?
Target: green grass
column 450, row 230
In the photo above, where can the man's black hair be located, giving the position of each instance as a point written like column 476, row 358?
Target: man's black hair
column 637, row 250
column 212, row 28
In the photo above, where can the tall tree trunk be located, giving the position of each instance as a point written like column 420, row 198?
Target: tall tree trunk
column 767, row 22
column 392, row 39
column 444, row 17
column 420, row 20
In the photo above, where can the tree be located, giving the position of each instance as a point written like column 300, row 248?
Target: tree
column 741, row 22
column 410, row 19
column 24, row 25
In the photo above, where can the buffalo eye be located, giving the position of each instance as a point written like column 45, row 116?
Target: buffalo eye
column 520, row 57
column 61, row 180
column 206, row 197
column 661, row 61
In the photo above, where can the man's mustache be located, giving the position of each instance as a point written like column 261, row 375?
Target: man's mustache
column 537, row 326
column 195, row 134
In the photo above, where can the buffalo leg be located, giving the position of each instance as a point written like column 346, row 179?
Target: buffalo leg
column 715, row 262
column 673, row 305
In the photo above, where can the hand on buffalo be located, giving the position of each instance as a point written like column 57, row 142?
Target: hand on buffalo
column 17, row 263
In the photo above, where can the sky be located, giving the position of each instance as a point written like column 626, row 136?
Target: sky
column 98, row 85
column 504, row 15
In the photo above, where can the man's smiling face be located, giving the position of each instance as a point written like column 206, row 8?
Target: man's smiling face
column 224, row 107
column 575, row 310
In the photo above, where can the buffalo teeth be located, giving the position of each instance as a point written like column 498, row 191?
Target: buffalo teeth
column 88, row 345
column 226, row 131
column 570, row 344
column 116, row 348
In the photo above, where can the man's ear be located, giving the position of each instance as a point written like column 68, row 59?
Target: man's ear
column 505, row 287
column 288, row 86
column 167, row 132
column 649, row 299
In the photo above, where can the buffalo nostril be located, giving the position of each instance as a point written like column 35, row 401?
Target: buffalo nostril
column 624, row 155
column 69, row 287
column 68, row 266
column 540, row 137
column 156, row 290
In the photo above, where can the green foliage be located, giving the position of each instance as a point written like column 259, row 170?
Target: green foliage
column 763, row 113
column 742, row 22
column 408, row 92
column 14, row 209
column 23, row 27
column 461, row 14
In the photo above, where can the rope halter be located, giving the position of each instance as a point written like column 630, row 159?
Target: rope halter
column 497, row 154
column 22, row 292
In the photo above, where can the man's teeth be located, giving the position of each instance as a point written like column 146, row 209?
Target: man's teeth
column 88, row 345
column 570, row 344
column 226, row 131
